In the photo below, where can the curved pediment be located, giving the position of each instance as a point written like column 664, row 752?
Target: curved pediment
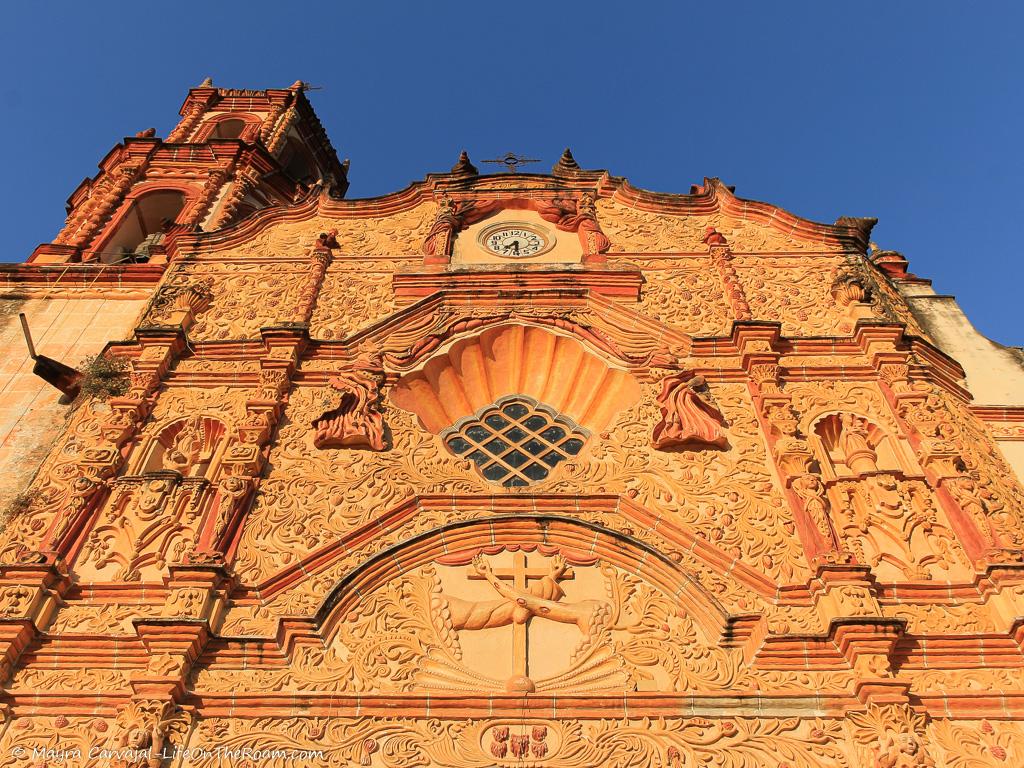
column 319, row 211
column 410, row 336
column 516, row 604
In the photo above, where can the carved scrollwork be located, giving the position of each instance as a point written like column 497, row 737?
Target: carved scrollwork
column 690, row 418
column 354, row 419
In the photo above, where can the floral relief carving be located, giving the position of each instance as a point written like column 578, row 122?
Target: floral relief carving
column 637, row 231
column 245, row 296
column 948, row 619
column 354, row 296
column 795, row 293
column 147, row 523
column 979, row 743
column 395, row 235
column 685, row 294
column 60, row 490
column 894, row 525
column 101, row 618
column 567, row 743
column 727, row 496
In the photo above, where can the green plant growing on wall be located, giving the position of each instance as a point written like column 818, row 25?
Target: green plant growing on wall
column 15, row 507
column 103, row 378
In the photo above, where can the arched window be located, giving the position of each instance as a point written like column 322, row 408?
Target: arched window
column 297, row 161
column 143, row 226
column 228, row 129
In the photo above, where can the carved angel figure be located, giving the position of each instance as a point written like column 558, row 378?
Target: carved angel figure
column 517, row 606
column 183, row 453
column 357, row 421
column 903, row 751
column 689, row 417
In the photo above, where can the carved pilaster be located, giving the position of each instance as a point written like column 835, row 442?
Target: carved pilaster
column 246, row 180
column 789, row 449
column 31, row 591
column 215, row 180
column 273, row 137
column 319, row 260
column 721, row 256
column 103, row 200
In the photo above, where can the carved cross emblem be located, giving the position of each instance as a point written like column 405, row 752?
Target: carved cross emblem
column 512, row 161
column 519, row 602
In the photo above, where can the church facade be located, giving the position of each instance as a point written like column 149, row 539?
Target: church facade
column 508, row 469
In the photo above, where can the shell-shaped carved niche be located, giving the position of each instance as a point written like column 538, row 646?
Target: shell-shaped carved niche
column 191, row 446
column 516, row 360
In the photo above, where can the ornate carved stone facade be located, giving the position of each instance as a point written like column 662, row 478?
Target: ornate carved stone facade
column 691, row 484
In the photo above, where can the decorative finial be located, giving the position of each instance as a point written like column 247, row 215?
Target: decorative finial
column 298, row 85
column 713, row 237
column 566, row 163
column 585, row 205
column 328, row 240
column 464, row 167
column 146, row 134
column 207, row 83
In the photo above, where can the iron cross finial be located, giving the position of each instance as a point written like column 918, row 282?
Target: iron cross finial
column 512, row 161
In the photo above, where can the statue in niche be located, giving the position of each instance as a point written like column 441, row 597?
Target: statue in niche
column 184, row 451
column 356, row 422
column 689, row 416
column 858, row 454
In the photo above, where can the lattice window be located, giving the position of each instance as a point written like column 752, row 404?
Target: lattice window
column 516, row 441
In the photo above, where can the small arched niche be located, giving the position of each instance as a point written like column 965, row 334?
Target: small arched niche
column 516, row 396
column 228, row 129
column 191, row 446
column 143, row 226
column 850, row 444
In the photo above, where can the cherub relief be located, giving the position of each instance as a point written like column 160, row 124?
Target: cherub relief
column 903, row 751
column 184, row 451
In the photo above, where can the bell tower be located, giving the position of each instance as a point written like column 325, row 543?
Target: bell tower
column 232, row 153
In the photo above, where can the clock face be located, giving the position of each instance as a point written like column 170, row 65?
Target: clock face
column 515, row 241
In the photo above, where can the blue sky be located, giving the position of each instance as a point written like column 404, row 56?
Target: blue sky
column 908, row 111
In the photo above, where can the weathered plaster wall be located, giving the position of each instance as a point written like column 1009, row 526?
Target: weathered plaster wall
column 32, row 415
column 995, row 374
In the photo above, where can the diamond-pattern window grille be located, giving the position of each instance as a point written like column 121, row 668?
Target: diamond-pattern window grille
column 515, row 442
